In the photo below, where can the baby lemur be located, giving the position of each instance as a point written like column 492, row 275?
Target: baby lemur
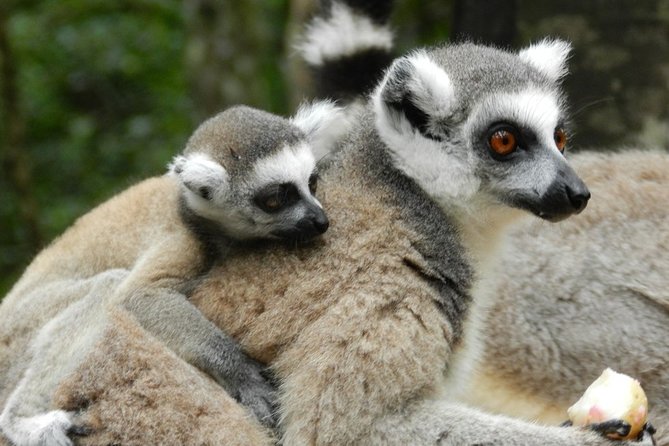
column 244, row 175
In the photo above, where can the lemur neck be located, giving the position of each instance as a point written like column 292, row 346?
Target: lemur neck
column 214, row 241
column 483, row 228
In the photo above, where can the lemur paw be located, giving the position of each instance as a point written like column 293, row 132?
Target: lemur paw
column 646, row 435
column 257, row 393
column 79, row 430
column 48, row 429
column 620, row 428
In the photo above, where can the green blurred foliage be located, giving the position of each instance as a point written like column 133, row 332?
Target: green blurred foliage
column 108, row 92
column 103, row 95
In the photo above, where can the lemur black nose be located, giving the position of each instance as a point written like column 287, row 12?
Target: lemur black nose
column 313, row 224
column 578, row 197
column 321, row 223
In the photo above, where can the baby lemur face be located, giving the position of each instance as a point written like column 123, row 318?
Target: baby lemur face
column 254, row 174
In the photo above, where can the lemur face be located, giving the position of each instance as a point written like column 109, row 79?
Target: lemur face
column 254, row 174
column 478, row 125
column 275, row 199
column 282, row 201
column 519, row 140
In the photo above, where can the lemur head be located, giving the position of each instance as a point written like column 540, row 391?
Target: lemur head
column 254, row 174
column 473, row 124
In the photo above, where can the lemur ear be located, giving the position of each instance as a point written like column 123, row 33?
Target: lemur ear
column 549, row 57
column 325, row 125
column 415, row 95
column 202, row 177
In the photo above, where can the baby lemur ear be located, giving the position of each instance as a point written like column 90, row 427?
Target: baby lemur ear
column 325, row 124
column 549, row 57
column 201, row 176
column 416, row 95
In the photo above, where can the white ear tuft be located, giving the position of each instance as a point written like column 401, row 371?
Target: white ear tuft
column 325, row 125
column 431, row 87
column 416, row 94
column 548, row 56
column 202, row 176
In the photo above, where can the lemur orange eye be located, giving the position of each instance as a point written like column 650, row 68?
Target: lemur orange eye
column 503, row 142
column 560, row 137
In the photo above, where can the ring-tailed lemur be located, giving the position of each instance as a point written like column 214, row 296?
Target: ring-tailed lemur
column 244, row 175
column 366, row 330
column 520, row 338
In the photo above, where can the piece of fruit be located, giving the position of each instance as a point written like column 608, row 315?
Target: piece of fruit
column 613, row 396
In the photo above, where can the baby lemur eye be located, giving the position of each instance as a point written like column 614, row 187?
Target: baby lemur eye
column 503, row 140
column 560, row 137
column 275, row 197
column 313, row 183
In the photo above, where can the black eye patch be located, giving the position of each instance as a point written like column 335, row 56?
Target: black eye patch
column 313, row 183
column 275, row 197
column 205, row 192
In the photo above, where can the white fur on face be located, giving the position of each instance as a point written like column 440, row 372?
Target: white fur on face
column 292, row 164
column 548, row 56
column 342, row 34
column 444, row 172
column 534, row 109
column 531, row 108
column 324, row 123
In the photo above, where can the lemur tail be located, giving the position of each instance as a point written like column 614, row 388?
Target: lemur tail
column 348, row 45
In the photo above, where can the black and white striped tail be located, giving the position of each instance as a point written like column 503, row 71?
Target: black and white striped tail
column 348, row 46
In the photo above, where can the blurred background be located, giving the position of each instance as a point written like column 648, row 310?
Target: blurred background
column 96, row 94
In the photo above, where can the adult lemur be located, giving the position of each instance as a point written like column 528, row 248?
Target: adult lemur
column 244, row 175
column 569, row 300
column 368, row 331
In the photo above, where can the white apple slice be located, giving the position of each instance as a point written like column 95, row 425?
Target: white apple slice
column 612, row 396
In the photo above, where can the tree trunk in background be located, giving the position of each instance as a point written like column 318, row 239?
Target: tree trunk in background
column 235, row 54
column 619, row 74
column 16, row 165
column 299, row 80
column 488, row 22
